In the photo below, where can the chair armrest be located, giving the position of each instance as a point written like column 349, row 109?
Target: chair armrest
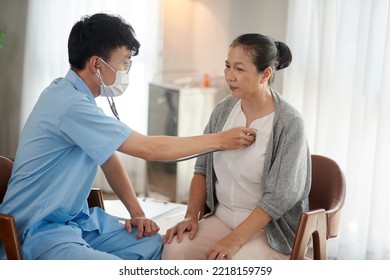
column 311, row 224
column 9, row 237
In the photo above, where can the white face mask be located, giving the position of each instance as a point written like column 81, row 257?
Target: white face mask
column 118, row 87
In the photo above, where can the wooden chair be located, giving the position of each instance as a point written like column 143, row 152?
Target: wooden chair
column 95, row 198
column 326, row 200
column 8, row 233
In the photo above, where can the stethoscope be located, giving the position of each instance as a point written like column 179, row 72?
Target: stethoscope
column 187, row 158
column 112, row 105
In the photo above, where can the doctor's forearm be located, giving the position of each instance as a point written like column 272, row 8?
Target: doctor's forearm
column 120, row 183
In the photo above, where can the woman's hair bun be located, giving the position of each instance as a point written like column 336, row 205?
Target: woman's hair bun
column 284, row 55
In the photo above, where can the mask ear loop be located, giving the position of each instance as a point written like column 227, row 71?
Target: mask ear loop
column 111, row 103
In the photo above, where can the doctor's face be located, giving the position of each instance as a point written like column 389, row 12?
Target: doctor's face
column 119, row 60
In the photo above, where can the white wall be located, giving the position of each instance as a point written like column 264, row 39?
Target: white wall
column 268, row 17
column 197, row 33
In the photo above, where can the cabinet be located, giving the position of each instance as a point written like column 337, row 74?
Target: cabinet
column 177, row 111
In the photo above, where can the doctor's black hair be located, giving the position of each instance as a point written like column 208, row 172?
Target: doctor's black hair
column 99, row 35
column 265, row 52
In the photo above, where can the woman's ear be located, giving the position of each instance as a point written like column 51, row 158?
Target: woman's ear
column 267, row 74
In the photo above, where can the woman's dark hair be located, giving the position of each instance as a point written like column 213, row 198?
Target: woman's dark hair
column 99, row 35
column 264, row 51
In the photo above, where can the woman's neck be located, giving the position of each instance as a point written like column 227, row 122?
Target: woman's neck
column 260, row 105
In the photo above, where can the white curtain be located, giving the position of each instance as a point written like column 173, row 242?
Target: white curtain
column 340, row 81
column 46, row 58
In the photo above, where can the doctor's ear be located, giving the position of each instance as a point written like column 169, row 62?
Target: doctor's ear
column 98, row 68
column 94, row 63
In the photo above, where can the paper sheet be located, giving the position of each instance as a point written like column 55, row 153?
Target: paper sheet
column 152, row 208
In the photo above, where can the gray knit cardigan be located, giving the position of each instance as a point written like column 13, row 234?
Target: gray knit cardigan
column 286, row 174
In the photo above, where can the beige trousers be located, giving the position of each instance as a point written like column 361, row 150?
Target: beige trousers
column 210, row 231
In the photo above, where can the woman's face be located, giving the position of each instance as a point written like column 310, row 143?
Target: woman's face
column 241, row 74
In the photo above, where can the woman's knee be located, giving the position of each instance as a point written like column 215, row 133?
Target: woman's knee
column 179, row 251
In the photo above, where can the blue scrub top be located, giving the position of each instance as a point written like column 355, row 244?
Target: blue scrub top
column 63, row 141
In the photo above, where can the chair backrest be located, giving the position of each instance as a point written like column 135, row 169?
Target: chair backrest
column 8, row 233
column 328, row 191
column 326, row 200
column 5, row 173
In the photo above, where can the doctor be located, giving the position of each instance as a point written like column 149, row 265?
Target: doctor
column 67, row 136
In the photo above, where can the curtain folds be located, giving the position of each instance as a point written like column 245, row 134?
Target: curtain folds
column 340, row 81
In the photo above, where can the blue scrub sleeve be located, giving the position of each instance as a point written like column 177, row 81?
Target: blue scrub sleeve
column 97, row 134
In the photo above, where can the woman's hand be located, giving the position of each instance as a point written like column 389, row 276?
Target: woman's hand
column 190, row 225
column 146, row 227
column 224, row 249
column 228, row 246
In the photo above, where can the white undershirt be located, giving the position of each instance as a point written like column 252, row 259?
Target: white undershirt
column 239, row 172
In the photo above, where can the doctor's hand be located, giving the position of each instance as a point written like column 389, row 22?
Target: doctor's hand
column 237, row 137
column 146, row 227
column 190, row 225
